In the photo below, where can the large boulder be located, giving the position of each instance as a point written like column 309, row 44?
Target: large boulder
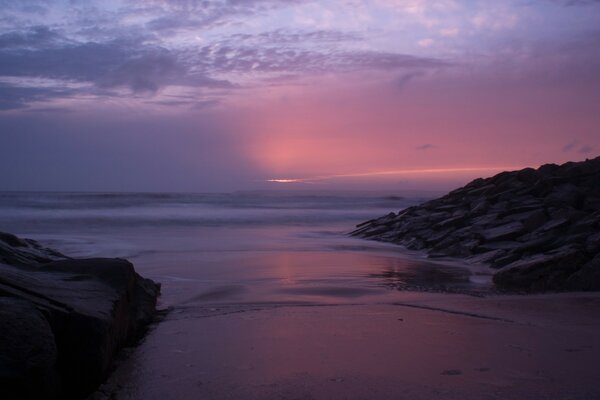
column 522, row 223
column 63, row 320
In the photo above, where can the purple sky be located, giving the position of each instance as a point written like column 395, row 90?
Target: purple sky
column 187, row 95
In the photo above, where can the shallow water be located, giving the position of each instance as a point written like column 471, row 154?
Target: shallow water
column 239, row 247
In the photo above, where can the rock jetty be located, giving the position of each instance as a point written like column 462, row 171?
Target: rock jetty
column 62, row 320
column 540, row 228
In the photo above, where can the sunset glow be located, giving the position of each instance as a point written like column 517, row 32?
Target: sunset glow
column 218, row 95
column 435, row 171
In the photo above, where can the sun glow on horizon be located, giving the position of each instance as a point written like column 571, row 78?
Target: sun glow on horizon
column 394, row 173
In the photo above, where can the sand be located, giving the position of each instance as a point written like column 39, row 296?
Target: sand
column 397, row 345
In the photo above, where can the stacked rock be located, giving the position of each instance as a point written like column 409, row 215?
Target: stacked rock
column 539, row 228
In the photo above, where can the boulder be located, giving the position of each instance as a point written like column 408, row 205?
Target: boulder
column 63, row 321
column 28, row 353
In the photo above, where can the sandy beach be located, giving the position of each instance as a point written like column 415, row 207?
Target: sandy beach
column 413, row 346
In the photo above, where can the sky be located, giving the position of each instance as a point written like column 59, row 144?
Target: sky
column 226, row 95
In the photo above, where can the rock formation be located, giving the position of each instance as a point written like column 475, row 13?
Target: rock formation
column 62, row 320
column 539, row 228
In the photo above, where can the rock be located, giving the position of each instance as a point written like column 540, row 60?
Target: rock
column 453, row 221
column 588, row 276
column 499, row 262
column 500, row 245
column 523, row 222
column 554, row 224
column 488, row 256
column 564, row 195
column 592, row 243
column 534, row 219
column 503, row 232
column 541, row 272
column 78, row 312
column 28, row 352
column 16, row 251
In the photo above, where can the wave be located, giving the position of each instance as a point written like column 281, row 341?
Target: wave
column 27, row 211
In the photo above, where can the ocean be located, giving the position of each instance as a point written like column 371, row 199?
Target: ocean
column 237, row 247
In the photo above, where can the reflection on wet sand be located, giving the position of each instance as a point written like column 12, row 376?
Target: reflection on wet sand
column 405, row 274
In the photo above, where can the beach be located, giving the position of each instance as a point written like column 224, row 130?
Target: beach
column 420, row 346
column 266, row 297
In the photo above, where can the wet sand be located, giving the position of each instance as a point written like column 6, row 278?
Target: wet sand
column 413, row 346
column 293, row 314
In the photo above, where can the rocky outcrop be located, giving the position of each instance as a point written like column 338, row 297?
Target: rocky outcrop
column 62, row 320
column 539, row 228
column 17, row 251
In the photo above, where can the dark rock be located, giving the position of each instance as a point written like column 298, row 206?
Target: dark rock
column 78, row 312
column 591, row 203
column 564, row 195
column 541, row 272
column 503, row 232
column 28, row 352
column 453, row 221
column 499, row 262
column 16, row 251
column 526, row 222
column 534, row 219
column 490, row 219
column 488, row 256
column 554, row 224
column 527, row 175
column 500, row 245
column 479, row 206
column 592, row 243
column 588, row 276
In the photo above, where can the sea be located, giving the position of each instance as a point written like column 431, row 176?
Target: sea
column 262, row 246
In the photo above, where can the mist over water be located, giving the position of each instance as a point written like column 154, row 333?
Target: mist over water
column 244, row 246
column 40, row 212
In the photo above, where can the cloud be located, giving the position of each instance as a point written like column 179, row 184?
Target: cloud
column 177, row 15
column 218, row 58
column 41, row 53
column 574, row 146
column 15, row 97
column 426, row 146
column 569, row 146
column 33, row 37
column 579, row 2
column 281, row 36
column 404, row 79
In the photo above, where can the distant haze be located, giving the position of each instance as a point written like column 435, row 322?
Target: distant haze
column 225, row 95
